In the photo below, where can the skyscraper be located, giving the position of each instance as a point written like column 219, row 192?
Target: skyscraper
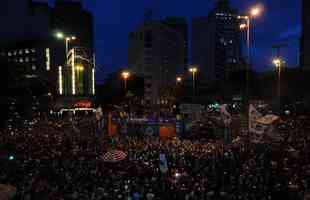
column 156, row 53
column 77, row 75
column 305, row 40
column 180, row 25
column 216, row 43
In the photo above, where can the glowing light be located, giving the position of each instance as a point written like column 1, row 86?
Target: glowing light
column 193, row 69
column 73, row 72
column 125, row 74
column 277, row 62
column 93, row 81
column 243, row 26
column 255, row 11
column 48, row 59
column 179, row 79
column 60, row 35
column 60, row 80
column 79, row 68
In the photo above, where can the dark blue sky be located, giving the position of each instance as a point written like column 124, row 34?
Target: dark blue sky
column 114, row 19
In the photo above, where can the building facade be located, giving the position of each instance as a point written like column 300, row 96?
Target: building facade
column 156, row 53
column 29, row 40
column 305, row 39
column 216, row 43
column 76, row 76
column 180, row 25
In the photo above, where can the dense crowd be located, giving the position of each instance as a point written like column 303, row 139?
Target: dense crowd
column 60, row 159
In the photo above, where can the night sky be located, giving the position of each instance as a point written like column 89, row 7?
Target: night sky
column 114, row 19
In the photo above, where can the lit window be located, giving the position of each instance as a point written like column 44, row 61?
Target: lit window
column 15, row 52
column 20, row 51
column 27, row 59
column 33, row 50
column 21, row 60
column 33, row 59
column 26, row 50
column 33, row 67
column 9, row 53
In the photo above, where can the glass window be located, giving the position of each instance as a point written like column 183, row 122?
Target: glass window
column 9, row 53
column 21, row 60
column 33, row 59
column 33, row 67
column 27, row 59
column 26, row 50
column 15, row 52
column 33, row 50
column 20, row 51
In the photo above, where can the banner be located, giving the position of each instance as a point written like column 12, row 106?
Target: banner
column 260, row 125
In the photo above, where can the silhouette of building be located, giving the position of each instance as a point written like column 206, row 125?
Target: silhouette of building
column 29, row 39
column 180, row 24
column 75, row 77
column 156, row 53
column 216, row 42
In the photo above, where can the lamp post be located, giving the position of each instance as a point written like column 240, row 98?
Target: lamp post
column 278, row 65
column 193, row 70
column 67, row 39
column 125, row 76
column 254, row 12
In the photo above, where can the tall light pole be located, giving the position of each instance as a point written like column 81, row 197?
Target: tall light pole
column 254, row 12
column 125, row 76
column 278, row 65
column 193, row 70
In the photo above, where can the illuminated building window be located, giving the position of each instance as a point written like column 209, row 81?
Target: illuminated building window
column 27, row 59
column 15, row 53
column 48, row 59
column 9, row 53
column 21, row 60
column 33, row 67
column 26, row 50
column 33, row 59
column 33, row 50
column 20, row 52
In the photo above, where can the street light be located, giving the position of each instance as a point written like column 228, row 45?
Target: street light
column 179, row 79
column 67, row 39
column 125, row 75
column 254, row 12
column 278, row 64
column 193, row 70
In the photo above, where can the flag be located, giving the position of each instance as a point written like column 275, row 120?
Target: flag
column 163, row 166
column 260, row 125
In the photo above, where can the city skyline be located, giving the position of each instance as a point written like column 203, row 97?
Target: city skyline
column 113, row 22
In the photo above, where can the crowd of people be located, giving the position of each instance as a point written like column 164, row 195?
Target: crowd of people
column 58, row 159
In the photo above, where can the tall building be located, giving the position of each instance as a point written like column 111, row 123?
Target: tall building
column 71, row 19
column 305, row 40
column 180, row 25
column 23, row 20
column 156, row 53
column 216, row 42
column 29, row 39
